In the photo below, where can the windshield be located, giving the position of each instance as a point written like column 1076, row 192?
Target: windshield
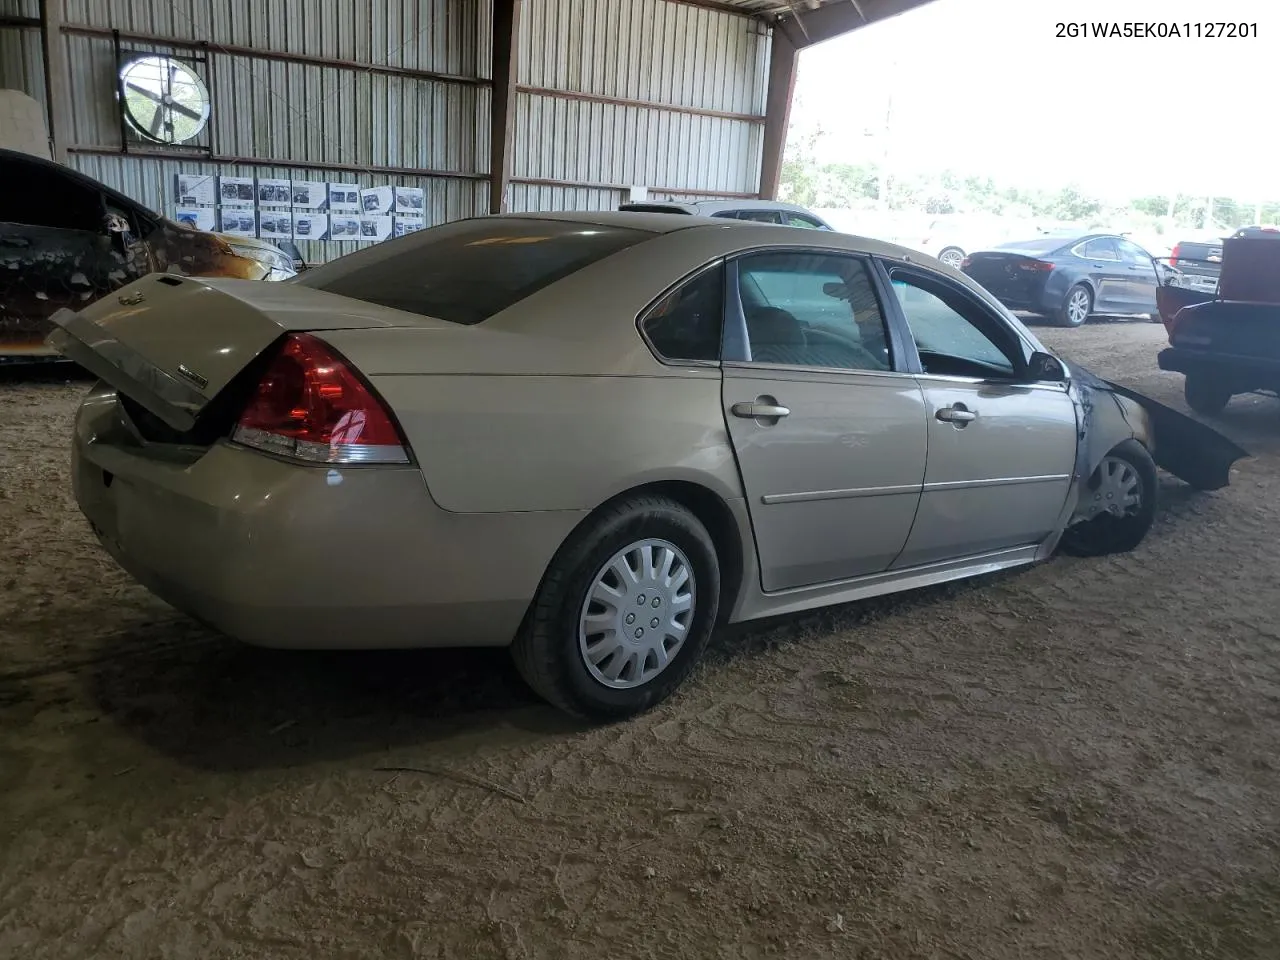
column 469, row 270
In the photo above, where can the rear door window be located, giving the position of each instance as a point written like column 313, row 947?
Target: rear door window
column 1103, row 248
column 467, row 271
column 685, row 324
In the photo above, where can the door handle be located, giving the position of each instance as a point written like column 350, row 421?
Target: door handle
column 762, row 408
column 957, row 415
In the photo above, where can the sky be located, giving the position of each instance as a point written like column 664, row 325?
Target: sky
column 985, row 86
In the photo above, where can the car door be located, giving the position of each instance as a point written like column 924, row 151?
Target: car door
column 1001, row 447
column 1108, row 274
column 828, row 429
column 1143, row 278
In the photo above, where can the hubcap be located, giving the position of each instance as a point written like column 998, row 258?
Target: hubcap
column 637, row 614
column 1078, row 307
column 952, row 258
column 1119, row 489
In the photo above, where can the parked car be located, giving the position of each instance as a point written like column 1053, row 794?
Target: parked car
column 1070, row 279
column 629, row 457
column 67, row 240
column 1227, row 342
column 952, row 238
column 760, row 211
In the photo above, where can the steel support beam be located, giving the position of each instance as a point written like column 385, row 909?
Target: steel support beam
column 56, row 80
column 807, row 27
column 777, row 111
column 506, row 40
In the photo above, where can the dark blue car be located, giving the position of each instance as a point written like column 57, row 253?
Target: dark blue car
column 1070, row 278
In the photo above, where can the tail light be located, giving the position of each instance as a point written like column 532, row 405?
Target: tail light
column 1035, row 266
column 1173, row 254
column 964, row 264
column 310, row 405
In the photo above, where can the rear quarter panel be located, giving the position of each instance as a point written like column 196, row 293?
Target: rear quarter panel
column 493, row 443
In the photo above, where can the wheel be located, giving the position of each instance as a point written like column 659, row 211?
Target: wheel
column 1076, row 306
column 1121, row 496
column 951, row 256
column 624, row 612
column 1204, row 394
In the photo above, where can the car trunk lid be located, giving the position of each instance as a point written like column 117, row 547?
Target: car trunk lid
column 1015, row 276
column 174, row 344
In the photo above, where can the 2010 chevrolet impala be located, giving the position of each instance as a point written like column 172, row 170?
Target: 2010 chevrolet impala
column 589, row 436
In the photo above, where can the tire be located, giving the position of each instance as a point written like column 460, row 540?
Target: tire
column 1204, row 394
column 1076, row 307
column 1116, row 532
column 951, row 256
column 553, row 649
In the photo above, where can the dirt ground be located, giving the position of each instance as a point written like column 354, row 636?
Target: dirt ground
column 1073, row 761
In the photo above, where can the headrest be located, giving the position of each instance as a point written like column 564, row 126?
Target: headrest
column 772, row 325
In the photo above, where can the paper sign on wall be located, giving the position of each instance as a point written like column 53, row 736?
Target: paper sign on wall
column 194, row 189
column 238, row 223
column 200, row 218
column 375, row 228
column 376, row 201
column 310, row 194
column 343, row 227
column 344, row 198
column 275, row 193
column 410, row 200
column 236, row 191
column 311, row 226
column 273, row 225
column 405, row 225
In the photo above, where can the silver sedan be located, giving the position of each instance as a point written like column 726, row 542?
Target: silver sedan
column 591, row 437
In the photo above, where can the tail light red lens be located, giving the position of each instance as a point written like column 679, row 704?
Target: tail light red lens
column 310, row 405
column 964, row 264
column 1173, row 254
column 1035, row 266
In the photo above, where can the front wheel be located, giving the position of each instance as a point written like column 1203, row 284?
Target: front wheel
column 624, row 612
column 1076, row 306
column 1118, row 503
column 951, row 256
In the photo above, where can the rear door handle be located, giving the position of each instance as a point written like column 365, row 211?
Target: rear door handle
column 759, row 409
column 957, row 415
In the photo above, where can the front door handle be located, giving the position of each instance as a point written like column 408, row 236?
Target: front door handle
column 762, row 408
column 957, row 415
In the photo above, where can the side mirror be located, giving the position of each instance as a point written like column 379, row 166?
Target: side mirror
column 1046, row 368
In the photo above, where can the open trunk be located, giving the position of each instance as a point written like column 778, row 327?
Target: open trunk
column 179, row 346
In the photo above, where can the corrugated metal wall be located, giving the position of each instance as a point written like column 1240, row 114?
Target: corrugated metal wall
column 710, row 63
column 610, row 93
column 21, row 55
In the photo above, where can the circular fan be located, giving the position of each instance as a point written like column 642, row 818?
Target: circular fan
column 164, row 100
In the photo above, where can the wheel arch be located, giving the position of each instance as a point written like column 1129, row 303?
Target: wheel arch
column 711, row 510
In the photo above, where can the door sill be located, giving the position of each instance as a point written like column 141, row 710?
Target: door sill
column 797, row 599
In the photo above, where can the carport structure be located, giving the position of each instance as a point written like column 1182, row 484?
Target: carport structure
column 488, row 104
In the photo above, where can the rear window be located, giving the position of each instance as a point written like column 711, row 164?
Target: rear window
column 1038, row 245
column 469, row 270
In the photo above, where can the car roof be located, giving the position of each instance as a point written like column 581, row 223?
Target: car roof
column 83, row 179
column 746, row 203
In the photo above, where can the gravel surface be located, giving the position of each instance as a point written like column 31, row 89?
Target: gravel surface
column 1076, row 760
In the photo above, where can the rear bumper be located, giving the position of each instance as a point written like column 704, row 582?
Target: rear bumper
column 282, row 555
column 1253, row 371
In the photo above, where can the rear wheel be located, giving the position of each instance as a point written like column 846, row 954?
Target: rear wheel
column 624, row 612
column 1076, row 306
column 1121, row 496
column 951, row 256
column 1205, row 394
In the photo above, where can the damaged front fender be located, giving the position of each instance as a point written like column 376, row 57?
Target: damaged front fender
column 1111, row 413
